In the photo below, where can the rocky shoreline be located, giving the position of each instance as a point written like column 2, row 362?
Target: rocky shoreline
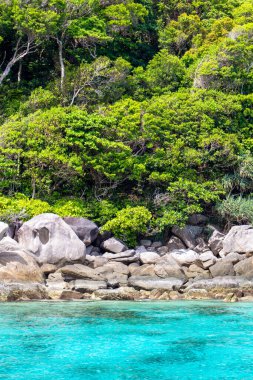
column 50, row 258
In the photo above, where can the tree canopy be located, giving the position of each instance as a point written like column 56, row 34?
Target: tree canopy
column 127, row 109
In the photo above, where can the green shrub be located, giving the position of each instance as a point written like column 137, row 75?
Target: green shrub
column 21, row 208
column 102, row 211
column 70, row 207
column 236, row 210
column 129, row 223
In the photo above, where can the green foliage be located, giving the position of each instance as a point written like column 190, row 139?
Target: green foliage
column 109, row 106
column 129, row 223
column 178, row 36
column 21, row 208
column 125, row 15
column 164, row 72
column 70, row 207
column 236, row 210
column 39, row 99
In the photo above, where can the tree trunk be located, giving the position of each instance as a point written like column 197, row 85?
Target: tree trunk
column 61, row 61
column 33, row 188
column 19, row 71
column 19, row 53
column 6, row 71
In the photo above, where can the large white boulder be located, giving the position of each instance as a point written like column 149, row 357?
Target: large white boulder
column 16, row 264
column 239, row 239
column 51, row 240
column 185, row 256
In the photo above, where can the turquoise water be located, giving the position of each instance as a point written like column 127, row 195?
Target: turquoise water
column 126, row 340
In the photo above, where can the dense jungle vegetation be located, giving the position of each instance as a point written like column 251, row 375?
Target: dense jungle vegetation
column 134, row 113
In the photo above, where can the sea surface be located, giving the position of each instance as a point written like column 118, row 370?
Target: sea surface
column 126, row 340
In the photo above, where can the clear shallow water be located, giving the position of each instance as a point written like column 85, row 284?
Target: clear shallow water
column 126, row 340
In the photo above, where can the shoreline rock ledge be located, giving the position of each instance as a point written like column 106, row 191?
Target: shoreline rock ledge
column 65, row 259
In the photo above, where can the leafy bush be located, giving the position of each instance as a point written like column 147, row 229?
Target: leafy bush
column 129, row 223
column 236, row 210
column 70, row 207
column 21, row 208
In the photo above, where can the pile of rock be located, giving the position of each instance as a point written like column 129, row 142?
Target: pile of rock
column 55, row 258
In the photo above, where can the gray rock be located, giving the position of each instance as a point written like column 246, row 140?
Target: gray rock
column 222, row 268
column 175, row 243
column 185, row 256
column 233, row 257
column 244, row 267
column 20, row 291
column 122, row 293
column 13, row 229
column 156, row 244
column 117, row 267
column 113, row 245
column 188, row 234
column 17, row 264
column 89, row 249
column 162, row 250
column 93, row 251
column 239, row 239
column 164, row 270
column 55, row 276
column 206, row 256
column 48, row 268
column 167, row 266
column 133, row 265
column 86, row 230
column 215, row 242
column 115, row 274
column 143, row 270
column 95, row 261
column 167, row 259
column 220, row 282
column 194, row 271
column 149, row 257
column 146, row 243
column 128, row 256
column 202, row 246
column 207, row 259
column 88, row 285
column 70, row 295
column 77, row 271
column 51, row 240
column 128, row 260
column 140, row 249
column 197, row 219
column 57, row 286
column 207, row 264
column 204, row 275
column 3, row 230
column 116, row 280
column 150, row 283
column 102, row 236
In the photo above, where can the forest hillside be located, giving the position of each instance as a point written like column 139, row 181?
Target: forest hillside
column 133, row 113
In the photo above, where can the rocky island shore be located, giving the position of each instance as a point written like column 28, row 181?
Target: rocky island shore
column 62, row 259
